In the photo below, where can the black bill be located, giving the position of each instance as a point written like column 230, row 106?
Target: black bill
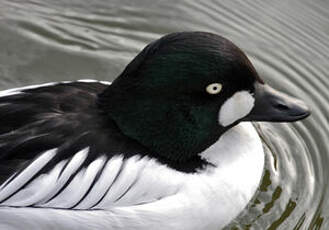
column 275, row 106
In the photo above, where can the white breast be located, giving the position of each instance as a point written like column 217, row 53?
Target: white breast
column 239, row 157
column 161, row 198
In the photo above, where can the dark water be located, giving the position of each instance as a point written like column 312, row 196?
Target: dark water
column 46, row 40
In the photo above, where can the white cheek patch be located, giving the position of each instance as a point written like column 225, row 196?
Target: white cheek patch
column 236, row 107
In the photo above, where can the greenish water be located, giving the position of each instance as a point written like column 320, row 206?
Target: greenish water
column 45, row 40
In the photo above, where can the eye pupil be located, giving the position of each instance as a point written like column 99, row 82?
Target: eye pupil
column 215, row 88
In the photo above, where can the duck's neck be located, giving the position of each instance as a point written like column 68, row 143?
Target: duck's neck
column 239, row 146
column 238, row 157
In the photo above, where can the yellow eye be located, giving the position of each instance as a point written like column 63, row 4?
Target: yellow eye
column 214, row 88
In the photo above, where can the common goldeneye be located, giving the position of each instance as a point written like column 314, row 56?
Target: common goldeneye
column 162, row 147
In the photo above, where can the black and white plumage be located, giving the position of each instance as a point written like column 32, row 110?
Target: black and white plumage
column 68, row 145
column 145, row 152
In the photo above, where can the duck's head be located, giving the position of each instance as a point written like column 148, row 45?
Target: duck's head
column 183, row 91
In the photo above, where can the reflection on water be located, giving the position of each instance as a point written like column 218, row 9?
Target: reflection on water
column 44, row 40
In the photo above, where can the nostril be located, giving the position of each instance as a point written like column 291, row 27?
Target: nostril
column 282, row 106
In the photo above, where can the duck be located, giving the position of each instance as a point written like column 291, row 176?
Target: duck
column 169, row 144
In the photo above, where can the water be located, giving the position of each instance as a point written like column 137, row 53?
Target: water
column 45, row 40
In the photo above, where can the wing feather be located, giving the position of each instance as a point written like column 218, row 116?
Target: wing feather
column 101, row 184
column 100, row 189
column 36, row 190
column 22, row 178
